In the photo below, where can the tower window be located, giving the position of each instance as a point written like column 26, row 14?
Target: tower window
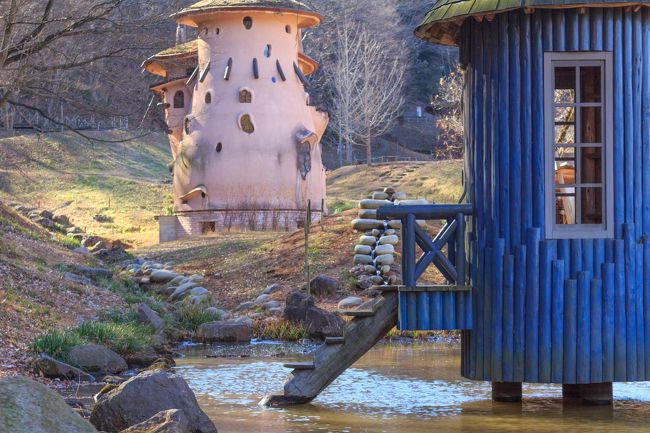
column 245, row 96
column 179, row 99
column 267, row 51
column 287, row 29
column 579, row 201
column 246, row 124
column 219, row 147
column 208, row 98
column 248, row 23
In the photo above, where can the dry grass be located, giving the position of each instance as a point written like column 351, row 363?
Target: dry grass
column 124, row 181
column 438, row 181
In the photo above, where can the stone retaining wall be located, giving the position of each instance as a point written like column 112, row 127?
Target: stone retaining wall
column 187, row 224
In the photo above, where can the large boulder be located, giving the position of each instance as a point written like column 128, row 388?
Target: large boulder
column 144, row 396
column 168, row 421
column 29, row 407
column 319, row 323
column 97, row 358
column 322, row 286
column 226, row 332
column 53, row 368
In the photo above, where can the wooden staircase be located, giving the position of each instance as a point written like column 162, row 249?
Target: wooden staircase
column 369, row 324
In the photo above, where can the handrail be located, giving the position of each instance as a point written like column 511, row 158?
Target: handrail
column 453, row 264
column 425, row 211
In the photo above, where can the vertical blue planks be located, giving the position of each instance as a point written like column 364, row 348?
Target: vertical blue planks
column 630, row 302
column 508, row 318
column 619, row 133
column 520, row 313
column 504, row 133
column 497, row 312
column 526, row 125
column 532, row 305
column 515, row 175
column 537, row 153
column 547, row 255
column 620, row 337
column 608, row 321
column 557, row 321
column 596, row 342
column 584, row 322
column 645, row 124
column 570, row 331
column 646, row 306
column 423, row 311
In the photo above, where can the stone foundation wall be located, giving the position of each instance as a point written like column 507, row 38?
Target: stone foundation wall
column 187, row 224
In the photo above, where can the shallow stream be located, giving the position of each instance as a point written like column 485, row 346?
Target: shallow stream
column 395, row 388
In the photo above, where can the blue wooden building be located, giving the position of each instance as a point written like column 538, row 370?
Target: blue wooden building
column 547, row 258
column 557, row 169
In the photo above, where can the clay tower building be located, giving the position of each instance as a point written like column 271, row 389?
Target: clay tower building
column 245, row 141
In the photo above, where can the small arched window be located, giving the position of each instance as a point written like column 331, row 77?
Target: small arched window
column 248, row 23
column 267, row 51
column 219, row 147
column 208, row 98
column 245, row 96
column 218, row 30
column 287, row 28
column 179, row 99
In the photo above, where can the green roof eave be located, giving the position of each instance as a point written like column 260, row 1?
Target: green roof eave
column 442, row 22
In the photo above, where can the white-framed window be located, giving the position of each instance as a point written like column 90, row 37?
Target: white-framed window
column 578, row 110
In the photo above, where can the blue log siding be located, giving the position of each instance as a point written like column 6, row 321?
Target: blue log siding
column 565, row 311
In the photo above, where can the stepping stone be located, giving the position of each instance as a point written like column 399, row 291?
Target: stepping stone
column 300, row 365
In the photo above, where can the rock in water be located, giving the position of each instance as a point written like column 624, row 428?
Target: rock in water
column 226, row 332
column 169, row 421
column 144, row 396
column 149, row 317
column 96, row 358
column 29, row 407
column 53, row 368
column 319, row 323
column 322, row 285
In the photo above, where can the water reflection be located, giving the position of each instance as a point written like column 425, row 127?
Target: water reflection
column 393, row 389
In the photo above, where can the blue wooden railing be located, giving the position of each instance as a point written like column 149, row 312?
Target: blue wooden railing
column 452, row 265
column 439, row 306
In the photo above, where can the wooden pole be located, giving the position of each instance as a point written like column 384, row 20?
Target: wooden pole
column 307, row 226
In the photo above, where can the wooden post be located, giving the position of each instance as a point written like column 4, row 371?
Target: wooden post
column 307, row 226
column 506, row 392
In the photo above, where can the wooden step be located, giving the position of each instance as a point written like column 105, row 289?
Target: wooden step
column 309, row 365
column 334, row 340
column 357, row 313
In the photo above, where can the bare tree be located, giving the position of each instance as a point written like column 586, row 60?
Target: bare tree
column 447, row 105
column 77, row 56
column 366, row 82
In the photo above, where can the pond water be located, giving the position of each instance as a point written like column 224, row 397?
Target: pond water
column 395, row 388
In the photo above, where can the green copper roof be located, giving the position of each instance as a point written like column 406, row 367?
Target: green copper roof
column 186, row 48
column 443, row 20
column 208, row 5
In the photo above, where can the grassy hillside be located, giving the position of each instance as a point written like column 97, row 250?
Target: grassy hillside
column 123, row 181
column 438, row 181
column 33, row 293
column 129, row 182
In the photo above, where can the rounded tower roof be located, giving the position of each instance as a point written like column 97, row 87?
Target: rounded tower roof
column 442, row 24
column 191, row 14
column 157, row 64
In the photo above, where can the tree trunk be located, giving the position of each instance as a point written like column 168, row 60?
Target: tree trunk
column 369, row 149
